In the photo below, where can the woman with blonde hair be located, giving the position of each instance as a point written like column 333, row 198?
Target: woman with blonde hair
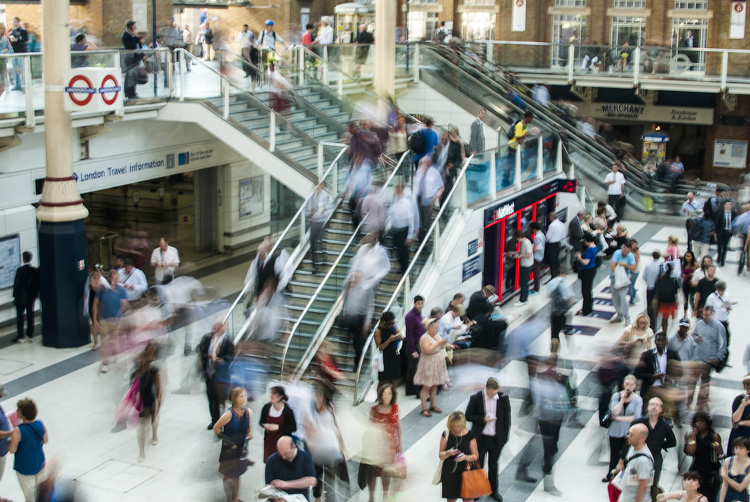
column 234, row 428
column 636, row 338
column 672, row 252
column 431, row 369
column 457, row 447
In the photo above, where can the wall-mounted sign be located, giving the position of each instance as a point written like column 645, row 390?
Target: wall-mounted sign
column 730, row 153
column 471, row 268
column 519, row 15
column 251, row 196
column 473, row 247
column 643, row 113
column 737, row 20
column 93, row 89
column 10, row 251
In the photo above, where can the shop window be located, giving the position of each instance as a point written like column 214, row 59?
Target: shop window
column 691, row 4
column 687, row 34
column 478, row 25
column 628, row 29
column 630, row 4
column 422, row 24
column 566, row 30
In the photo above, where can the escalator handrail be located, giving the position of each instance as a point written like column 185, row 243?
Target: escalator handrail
column 283, row 235
column 397, row 291
column 320, row 287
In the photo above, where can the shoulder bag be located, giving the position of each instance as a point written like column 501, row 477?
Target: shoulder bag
column 621, row 277
column 474, row 482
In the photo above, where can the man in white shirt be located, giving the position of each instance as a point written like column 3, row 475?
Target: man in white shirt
column 615, row 182
column 526, row 262
column 267, row 41
column 540, row 242
column 722, row 305
column 639, row 467
column 246, row 39
column 372, row 261
column 165, row 259
column 325, row 37
column 403, row 216
column 429, row 188
column 266, row 266
column 556, row 232
column 691, row 209
column 319, row 207
column 133, row 280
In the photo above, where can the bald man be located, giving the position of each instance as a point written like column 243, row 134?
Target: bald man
column 639, row 467
column 215, row 354
column 290, row 470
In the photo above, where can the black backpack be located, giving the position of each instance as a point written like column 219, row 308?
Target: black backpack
column 418, row 142
column 511, row 133
column 667, row 290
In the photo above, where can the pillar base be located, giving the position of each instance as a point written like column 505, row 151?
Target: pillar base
column 63, row 272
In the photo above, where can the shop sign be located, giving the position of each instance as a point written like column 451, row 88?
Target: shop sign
column 473, row 247
column 737, row 20
column 729, row 153
column 519, row 15
column 471, row 268
column 643, row 113
column 93, row 89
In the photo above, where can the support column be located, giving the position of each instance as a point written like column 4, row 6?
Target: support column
column 62, row 233
column 385, row 48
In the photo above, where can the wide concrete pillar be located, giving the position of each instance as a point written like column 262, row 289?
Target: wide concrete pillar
column 385, row 47
column 62, row 233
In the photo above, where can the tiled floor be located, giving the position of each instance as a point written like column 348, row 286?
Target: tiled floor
column 77, row 405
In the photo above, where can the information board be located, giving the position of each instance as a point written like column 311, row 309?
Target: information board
column 730, row 153
column 471, row 268
column 10, row 260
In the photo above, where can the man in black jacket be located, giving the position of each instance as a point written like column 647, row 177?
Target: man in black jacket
column 25, row 293
column 723, row 222
column 489, row 413
column 655, row 366
column 129, row 40
column 215, row 353
column 575, row 233
column 488, row 333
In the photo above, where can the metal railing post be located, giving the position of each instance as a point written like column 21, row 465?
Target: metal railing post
column 571, row 62
column 28, row 89
column 301, row 64
column 320, row 161
column 340, row 87
column 407, row 291
column 302, row 229
column 724, row 70
column 490, row 52
column 559, row 157
column 117, row 63
column 225, row 93
column 636, row 66
column 517, row 169
column 493, row 176
column 272, row 131
column 436, row 247
column 540, row 157
column 582, row 197
column 170, row 73
column 571, row 171
column 464, row 195
column 183, row 60
column 416, row 61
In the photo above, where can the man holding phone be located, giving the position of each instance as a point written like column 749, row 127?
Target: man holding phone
column 489, row 413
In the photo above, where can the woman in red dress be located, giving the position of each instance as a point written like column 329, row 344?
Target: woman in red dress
column 277, row 419
column 385, row 414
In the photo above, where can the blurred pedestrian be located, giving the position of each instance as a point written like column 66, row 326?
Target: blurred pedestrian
column 133, row 280
column 265, row 266
column 371, row 261
column 6, row 431
column 704, row 445
column 371, row 209
column 150, row 388
column 113, row 303
column 27, row 445
column 325, row 445
column 385, row 414
column 235, row 429
column 551, row 400
column 215, row 354
column 358, row 181
column 622, row 265
column 277, row 419
column 403, row 216
column 432, row 370
column 319, row 208
column 624, row 407
column 26, row 288
column 165, row 259
column 94, row 282
column 635, row 339
column 458, row 446
column 429, row 187
column 711, row 349
column 356, row 313
column 414, row 331
column 387, row 337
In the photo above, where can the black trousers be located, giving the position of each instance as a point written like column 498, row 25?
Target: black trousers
column 399, row 236
column 316, row 236
column 618, row 204
column 412, row 389
column 488, row 447
column 652, row 314
column 215, row 402
column 557, row 324
column 550, row 435
column 553, row 257
column 28, row 310
column 722, row 242
column 354, row 325
column 491, row 333
column 615, row 447
column 587, row 277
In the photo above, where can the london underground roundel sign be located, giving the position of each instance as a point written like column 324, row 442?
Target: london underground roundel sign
column 110, row 86
column 81, row 90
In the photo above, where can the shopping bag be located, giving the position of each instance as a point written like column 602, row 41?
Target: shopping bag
column 474, row 482
column 129, row 409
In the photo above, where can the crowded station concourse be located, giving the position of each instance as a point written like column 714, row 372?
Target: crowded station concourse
column 301, row 261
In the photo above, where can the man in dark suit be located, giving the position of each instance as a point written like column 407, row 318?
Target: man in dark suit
column 25, row 293
column 656, row 367
column 129, row 40
column 723, row 221
column 488, row 333
column 215, row 353
column 575, row 233
column 489, row 413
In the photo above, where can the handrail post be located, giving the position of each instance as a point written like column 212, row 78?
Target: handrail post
column 335, row 178
column 183, row 61
column 559, row 156
column 582, row 197
column 490, row 52
column 170, row 72
column 302, row 229
column 225, row 93
column 407, row 291
column 464, row 194
column 724, row 70
column 272, row 132
column 340, row 87
column 540, row 157
column 571, row 62
column 416, row 61
column 436, row 240
column 493, row 176
column 301, row 64
column 636, row 66
column 28, row 89
column 571, row 171
column 117, row 63
column 320, row 161
column 517, row 180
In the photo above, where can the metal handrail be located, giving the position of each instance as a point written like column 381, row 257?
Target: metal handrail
column 327, row 276
column 397, row 290
column 284, row 234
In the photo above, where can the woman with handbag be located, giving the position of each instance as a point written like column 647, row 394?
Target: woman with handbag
column 387, row 337
column 624, row 407
column 458, row 449
column 385, row 415
column 27, row 445
column 704, row 445
column 325, row 444
column 277, row 419
column 149, row 386
column 234, row 429
column 635, row 339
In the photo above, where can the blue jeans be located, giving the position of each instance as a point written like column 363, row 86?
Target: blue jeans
column 18, row 72
column 631, row 289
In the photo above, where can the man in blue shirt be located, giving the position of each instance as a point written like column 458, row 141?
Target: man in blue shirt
column 290, row 470
column 623, row 257
column 6, row 430
column 431, row 141
column 113, row 301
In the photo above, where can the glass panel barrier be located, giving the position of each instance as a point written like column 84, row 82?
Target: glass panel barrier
column 12, row 81
column 549, row 151
column 478, row 184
